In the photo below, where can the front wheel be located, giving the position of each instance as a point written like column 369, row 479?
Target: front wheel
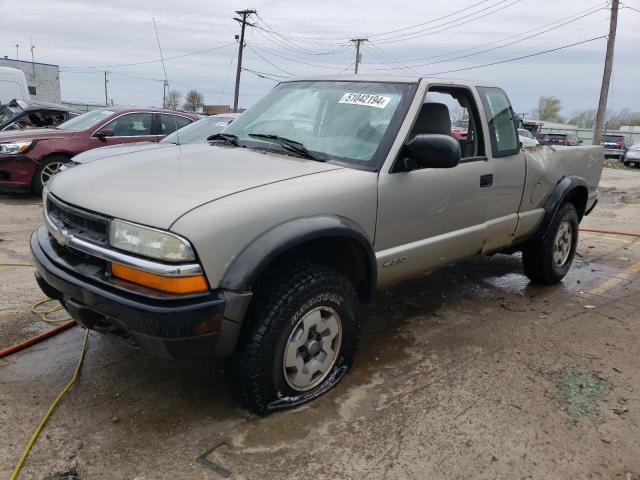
column 300, row 339
column 48, row 168
column 548, row 261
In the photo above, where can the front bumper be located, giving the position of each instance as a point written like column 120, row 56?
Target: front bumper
column 196, row 327
column 16, row 172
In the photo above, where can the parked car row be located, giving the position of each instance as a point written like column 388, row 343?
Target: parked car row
column 632, row 157
column 616, row 146
column 30, row 157
column 566, row 139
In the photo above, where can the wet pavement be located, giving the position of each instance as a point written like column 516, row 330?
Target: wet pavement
column 471, row 372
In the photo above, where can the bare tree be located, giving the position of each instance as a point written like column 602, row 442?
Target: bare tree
column 622, row 117
column 193, row 101
column 549, row 109
column 584, row 118
column 172, row 101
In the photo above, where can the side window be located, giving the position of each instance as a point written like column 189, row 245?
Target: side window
column 502, row 127
column 171, row 123
column 131, row 125
column 452, row 111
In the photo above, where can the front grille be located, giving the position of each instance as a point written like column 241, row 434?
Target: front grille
column 80, row 223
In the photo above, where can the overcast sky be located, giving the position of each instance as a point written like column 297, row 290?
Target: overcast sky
column 78, row 35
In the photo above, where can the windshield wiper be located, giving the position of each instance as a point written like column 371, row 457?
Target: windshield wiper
column 291, row 145
column 227, row 137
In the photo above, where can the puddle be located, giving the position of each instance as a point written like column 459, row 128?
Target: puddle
column 581, row 391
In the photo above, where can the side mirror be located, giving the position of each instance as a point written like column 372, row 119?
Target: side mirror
column 432, row 151
column 103, row 133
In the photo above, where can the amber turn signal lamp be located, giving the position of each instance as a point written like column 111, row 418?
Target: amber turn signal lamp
column 180, row 285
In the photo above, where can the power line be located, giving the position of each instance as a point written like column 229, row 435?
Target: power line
column 226, row 78
column 316, row 60
column 309, row 40
column 453, row 52
column 624, row 5
column 294, row 60
column 382, row 54
column 430, row 21
column 517, row 58
column 265, row 75
column 433, row 30
column 446, row 60
column 267, row 61
column 153, row 61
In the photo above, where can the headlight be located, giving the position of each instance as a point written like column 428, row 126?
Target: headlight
column 149, row 242
column 14, row 148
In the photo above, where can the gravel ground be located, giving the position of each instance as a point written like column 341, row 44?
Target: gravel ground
column 470, row 372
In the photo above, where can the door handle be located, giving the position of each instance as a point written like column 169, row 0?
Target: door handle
column 486, row 180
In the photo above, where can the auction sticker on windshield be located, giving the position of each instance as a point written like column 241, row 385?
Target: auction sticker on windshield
column 366, row 99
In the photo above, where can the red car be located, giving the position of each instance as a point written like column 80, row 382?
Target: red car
column 29, row 158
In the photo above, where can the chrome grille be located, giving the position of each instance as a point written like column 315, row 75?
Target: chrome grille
column 80, row 223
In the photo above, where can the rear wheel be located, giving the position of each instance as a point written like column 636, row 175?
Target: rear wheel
column 548, row 261
column 48, row 168
column 301, row 336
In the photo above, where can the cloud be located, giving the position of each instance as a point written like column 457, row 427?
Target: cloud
column 89, row 34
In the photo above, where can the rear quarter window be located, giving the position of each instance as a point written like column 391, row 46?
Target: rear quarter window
column 503, row 128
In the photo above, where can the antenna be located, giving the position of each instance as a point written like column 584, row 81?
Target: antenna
column 166, row 82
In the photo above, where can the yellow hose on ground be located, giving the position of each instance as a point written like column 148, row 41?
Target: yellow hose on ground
column 47, row 311
column 53, row 406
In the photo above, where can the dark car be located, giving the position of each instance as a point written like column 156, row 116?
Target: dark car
column 616, row 145
column 29, row 158
column 22, row 114
column 567, row 139
column 197, row 132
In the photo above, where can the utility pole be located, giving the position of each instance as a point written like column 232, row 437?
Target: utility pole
column 606, row 76
column 358, row 41
column 106, row 96
column 165, row 87
column 243, row 23
column 17, row 47
column 33, row 61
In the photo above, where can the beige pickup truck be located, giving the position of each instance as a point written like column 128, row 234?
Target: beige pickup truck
column 260, row 244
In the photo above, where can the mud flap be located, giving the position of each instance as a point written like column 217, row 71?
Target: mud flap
column 284, row 403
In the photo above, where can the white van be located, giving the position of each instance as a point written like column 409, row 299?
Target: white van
column 13, row 84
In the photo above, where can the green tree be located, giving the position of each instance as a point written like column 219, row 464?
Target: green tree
column 194, row 101
column 549, row 109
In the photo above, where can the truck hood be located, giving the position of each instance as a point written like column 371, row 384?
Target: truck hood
column 156, row 187
column 34, row 134
column 120, row 149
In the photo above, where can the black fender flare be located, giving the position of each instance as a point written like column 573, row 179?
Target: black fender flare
column 557, row 197
column 247, row 266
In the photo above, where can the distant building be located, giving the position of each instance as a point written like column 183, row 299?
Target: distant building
column 216, row 109
column 43, row 79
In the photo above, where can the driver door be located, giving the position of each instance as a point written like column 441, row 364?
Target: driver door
column 430, row 217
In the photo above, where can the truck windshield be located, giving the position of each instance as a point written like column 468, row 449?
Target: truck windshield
column 85, row 121
column 340, row 121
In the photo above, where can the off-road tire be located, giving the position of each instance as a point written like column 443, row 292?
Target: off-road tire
column 287, row 295
column 36, row 183
column 537, row 257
